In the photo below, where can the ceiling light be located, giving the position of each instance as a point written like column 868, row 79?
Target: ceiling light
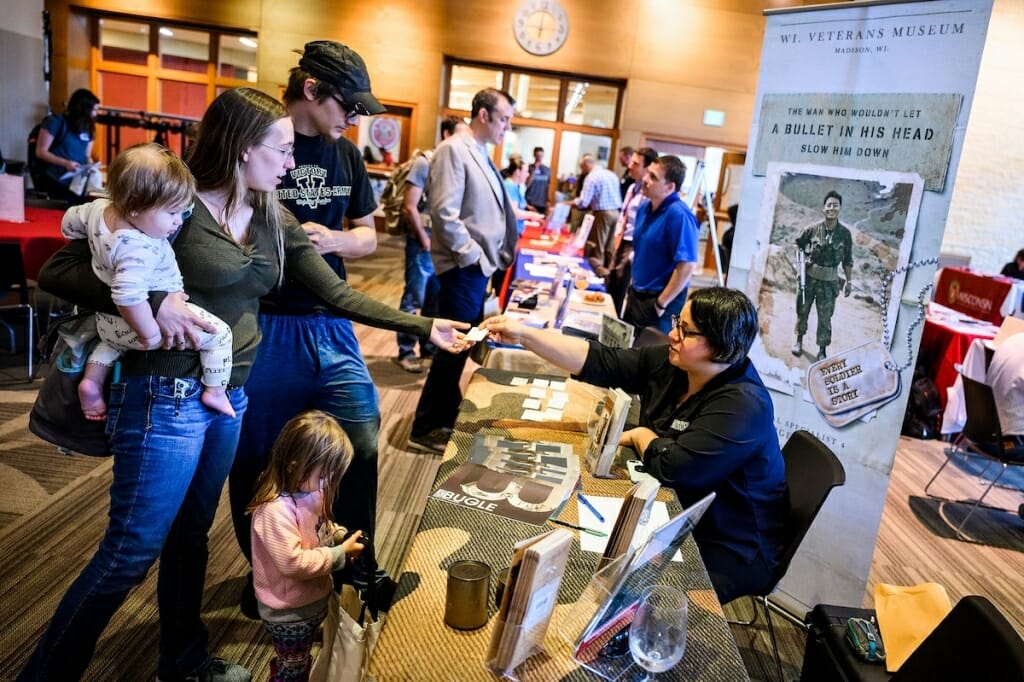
column 164, row 31
column 248, row 42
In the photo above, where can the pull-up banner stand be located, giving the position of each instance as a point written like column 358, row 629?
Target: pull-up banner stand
column 859, row 121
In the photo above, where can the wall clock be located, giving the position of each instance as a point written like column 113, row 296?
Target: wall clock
column 541, row 26
column 385, row 132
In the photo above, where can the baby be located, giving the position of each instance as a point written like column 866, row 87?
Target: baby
column 151, row 192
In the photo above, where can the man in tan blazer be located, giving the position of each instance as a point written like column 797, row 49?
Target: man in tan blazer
column 474, row 234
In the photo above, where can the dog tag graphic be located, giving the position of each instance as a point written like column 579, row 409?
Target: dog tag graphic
column 854, row 382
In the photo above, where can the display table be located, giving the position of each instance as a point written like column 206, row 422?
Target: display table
column 415, row 643
column 985, row 297
column 39, row 236
column 946, row 338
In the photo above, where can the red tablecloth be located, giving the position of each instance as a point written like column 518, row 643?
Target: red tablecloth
column 944, row 345
column 975, row 294
column 39, row 237
column 535, row 237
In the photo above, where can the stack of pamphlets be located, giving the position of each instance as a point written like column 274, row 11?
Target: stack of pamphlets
column 529, row 599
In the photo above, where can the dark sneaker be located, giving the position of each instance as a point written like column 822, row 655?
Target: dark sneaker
column 798, row 348
column 214, row 670
column 821, row 354
column 410, row 363
column 434, row 441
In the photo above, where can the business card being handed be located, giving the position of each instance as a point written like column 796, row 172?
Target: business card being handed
column 476, row 334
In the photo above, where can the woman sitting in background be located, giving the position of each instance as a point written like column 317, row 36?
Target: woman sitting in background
column 1015, row 268
column 706, row 424
column 65, row 145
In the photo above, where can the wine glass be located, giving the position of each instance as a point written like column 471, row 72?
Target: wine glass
column 657, row 635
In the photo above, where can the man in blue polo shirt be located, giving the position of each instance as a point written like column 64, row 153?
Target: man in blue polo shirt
column 664, row 248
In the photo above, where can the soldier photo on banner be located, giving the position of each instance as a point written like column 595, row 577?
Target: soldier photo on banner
column 834, row 235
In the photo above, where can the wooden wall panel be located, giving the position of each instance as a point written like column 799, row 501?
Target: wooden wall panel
column 678, row 111
column 677, row 56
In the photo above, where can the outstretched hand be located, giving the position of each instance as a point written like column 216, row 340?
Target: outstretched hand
column 504, row 329
column 445, row 335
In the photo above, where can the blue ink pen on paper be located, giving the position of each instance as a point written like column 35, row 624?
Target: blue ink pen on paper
column 588, row 505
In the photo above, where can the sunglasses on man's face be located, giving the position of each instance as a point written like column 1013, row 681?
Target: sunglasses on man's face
column 356, row 108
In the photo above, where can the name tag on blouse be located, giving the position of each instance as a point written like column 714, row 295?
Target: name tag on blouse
column 680, row 424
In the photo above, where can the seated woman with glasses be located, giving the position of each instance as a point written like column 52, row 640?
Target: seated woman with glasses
column 706, row 424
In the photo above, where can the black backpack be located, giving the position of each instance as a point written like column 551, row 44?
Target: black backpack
column 924, row 411
column 37, row 168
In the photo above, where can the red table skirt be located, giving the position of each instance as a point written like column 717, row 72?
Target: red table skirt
column 39, row 237
column 942, row 348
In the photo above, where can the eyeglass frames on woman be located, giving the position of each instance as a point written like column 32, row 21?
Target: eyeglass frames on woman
column 289, row 152
column 356, row 109
column 683, row 331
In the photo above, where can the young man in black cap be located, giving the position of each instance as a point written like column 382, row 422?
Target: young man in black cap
column 329, row 186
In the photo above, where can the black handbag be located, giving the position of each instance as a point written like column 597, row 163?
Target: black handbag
column 56, row 415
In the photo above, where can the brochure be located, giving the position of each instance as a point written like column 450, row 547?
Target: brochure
column 521, row 480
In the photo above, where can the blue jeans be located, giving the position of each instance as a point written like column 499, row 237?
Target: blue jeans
column 463, row 291
column 307, row 362
column 171, row 457
column 421, row 291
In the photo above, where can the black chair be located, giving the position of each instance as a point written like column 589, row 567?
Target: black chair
column 973, row 642
column 12, row 279
column 982, row 435
column 812, row 471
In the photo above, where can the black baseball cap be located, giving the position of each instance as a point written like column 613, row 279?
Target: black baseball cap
column 340, row 67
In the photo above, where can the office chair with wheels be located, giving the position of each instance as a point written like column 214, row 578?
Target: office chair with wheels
column 812, row 470
column 982, row 435
column 973, row 642
column 12, row 279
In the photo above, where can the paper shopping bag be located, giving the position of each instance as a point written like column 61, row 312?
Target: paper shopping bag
column 350, row 633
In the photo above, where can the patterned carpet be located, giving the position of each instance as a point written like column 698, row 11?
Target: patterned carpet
column 32, row 472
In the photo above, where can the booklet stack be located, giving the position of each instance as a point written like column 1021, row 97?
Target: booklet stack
column 529, row 599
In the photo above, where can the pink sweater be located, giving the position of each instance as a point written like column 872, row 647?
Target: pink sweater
column 290, row 567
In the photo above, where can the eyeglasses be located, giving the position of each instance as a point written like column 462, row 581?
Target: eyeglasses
column 356, row 109
column 289, row 152
column 683, row 331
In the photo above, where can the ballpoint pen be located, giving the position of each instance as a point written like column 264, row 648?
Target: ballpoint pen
column 591, row 531
column 588, row 505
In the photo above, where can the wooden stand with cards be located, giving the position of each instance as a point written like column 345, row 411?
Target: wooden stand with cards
column 607, row 431
column 529, row 600
column 636, row 509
